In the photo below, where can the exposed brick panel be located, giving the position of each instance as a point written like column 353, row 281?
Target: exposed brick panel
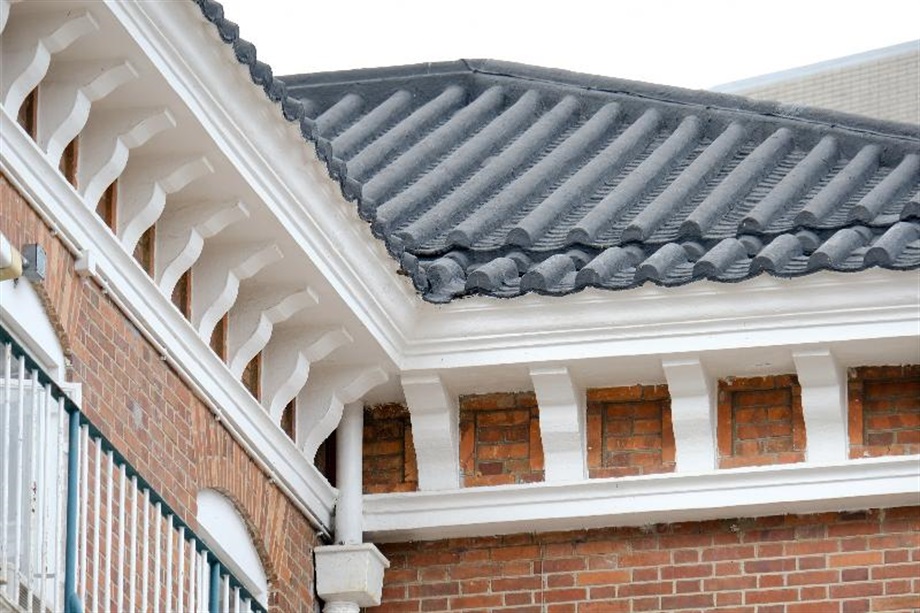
column 827, row 563
column 500, row 439
column 884, row 410
column 629, row 431
column 141, row 404
column 389, row 453
column 760, row 421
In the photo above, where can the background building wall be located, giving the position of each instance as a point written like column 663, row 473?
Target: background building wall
column 142, row 406
column 884, row 84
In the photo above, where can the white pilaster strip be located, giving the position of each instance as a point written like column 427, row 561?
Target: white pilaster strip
column 67, row 95
column 257, row 311
column 693, row 414
column 320, row 404
column 562, row 423
column 181, row 232
column 27, row 49
column 435, row 416
column 217, row 280
column 286, row 364
column 824, row 405
column 106, row 141
column 143, row 189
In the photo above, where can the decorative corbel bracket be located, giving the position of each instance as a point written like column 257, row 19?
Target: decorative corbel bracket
column 435, row 416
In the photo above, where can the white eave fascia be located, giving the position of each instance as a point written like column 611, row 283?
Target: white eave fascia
column 139, row 298
column 283, row 169
column 640, row 501
column 823, row 307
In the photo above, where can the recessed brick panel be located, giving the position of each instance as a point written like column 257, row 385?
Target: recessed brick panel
column 629, row 431
column 389, row 452
column 884, row 409
column 760, row 421
column 500, row 439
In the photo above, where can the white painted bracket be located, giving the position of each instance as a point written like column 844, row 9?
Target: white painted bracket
column 67, row 94
column 26, row 50
column 106, row 141
column 693, row 414
column 143, row 189
column 435, row 417
column 181, row 232
column 256, row 312
column 562, row 424
column 5, row 12
column 824, row 406
column 320, row 404
column 217, row 279
column 286, row 364
column 85, row 266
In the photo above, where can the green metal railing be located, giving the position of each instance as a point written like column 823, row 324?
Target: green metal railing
column 96, row 502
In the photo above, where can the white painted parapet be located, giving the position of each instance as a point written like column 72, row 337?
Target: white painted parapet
column 435, row 416
column 562, row 424
column 693, row 414
column 824, row 406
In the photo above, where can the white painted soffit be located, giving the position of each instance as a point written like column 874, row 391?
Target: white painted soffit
column 703, row 316
column 642, row 501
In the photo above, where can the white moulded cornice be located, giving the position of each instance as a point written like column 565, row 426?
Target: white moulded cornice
column 640, row 501
column 56, row 201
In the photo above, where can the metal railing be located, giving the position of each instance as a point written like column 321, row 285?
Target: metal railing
column 79, row 526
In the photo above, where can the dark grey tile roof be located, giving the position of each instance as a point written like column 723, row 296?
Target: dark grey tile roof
column 486, row 177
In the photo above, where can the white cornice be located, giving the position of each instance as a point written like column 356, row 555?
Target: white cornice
column 639, row 501
column 703, row 316
column 57, row 202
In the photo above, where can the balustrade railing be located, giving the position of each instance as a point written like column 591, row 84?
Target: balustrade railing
column 80, row 528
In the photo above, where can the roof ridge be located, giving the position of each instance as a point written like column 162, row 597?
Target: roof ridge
column 731, row 103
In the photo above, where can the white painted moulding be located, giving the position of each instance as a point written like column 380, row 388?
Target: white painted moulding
column 637, row 501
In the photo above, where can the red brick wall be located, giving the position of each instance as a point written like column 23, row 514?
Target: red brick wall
column 500, row 439
column 153, row 418
column 389, row 453
column 760, row 421
column 884, row 403
column 827, row 563
column 629, row 431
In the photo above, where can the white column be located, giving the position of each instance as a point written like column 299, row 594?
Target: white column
column 824, row 406
column 693, row 414
column 349, row 478
column 349, row 575
column 562, row 424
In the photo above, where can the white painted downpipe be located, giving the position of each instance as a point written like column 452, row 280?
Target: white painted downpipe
column 349, row 477
column 349, row 574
